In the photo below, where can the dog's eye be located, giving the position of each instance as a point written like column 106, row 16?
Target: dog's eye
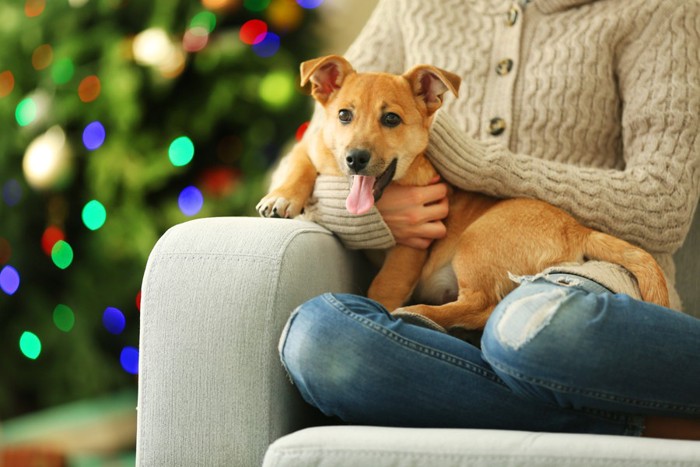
column 391, row 120
column 345, row 116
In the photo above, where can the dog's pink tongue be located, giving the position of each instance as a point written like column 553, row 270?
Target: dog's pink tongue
column 361, row 198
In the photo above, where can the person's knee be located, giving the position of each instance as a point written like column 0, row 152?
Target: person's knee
column 321, row 348
column 537, row 328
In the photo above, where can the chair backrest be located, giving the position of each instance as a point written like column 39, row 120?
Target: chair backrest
column 688, row 269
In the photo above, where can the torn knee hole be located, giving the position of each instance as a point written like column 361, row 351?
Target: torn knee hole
column 525, row 317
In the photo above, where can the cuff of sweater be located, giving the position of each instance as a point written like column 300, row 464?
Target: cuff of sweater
column 457, row 156
column 611, row 276
column 327, row 208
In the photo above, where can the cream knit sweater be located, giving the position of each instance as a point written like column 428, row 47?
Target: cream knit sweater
column 590, row 105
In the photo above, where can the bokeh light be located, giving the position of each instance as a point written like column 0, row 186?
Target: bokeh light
column 63, row 318
column 204, row 19
column 309, row 4
column 253, row 31
column 33, row 8
column 7, row 83
column 277, row 89
column 47, row 160
column 51, row 235
column 94, row 215
column 195, row 39
column 9, row 280
column 284, row 15
column 113, row 320
column 26, row 110
column 256, row 5
column 89, row 88
column 268, row 46
column 221, row 4
column 190, row 201
column 62, row 70
column 12, row 192
column 30, row 345
column 94, row 135
column 62, row 254
column 129, row 359
column 181, row 151
column 5, row 251
column 42, row 57
column 301, row 131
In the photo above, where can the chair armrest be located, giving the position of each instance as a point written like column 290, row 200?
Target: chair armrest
column 216, row 295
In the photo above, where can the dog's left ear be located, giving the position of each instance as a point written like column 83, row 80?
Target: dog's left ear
column 326, row 75
column 430, row 83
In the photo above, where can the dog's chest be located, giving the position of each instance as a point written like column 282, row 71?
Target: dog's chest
column 437, row 289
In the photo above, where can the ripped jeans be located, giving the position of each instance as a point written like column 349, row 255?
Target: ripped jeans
column 554, row 357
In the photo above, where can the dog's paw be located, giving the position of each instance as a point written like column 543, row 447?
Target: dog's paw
column 278, row 206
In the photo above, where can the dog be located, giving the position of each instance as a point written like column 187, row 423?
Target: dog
column 374, row 128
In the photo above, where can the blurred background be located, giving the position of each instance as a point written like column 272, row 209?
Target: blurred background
column 118, row 120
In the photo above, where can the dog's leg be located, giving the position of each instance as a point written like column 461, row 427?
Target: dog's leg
column 399, row 274
column 289, row 197
column 470, row 311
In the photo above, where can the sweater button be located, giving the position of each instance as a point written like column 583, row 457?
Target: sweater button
column 497, row 126
column 512, row 16
column 504, row 67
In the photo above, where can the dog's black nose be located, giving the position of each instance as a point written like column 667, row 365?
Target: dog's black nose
column 357, row 159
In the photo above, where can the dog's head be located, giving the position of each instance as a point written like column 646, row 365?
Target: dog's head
column 375, row 124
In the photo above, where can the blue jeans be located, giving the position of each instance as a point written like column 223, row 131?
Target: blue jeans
column 554, row 357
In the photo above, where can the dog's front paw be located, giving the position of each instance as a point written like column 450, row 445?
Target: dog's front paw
column 278, row 206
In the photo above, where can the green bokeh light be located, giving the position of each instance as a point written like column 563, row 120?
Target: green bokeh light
column 62, row 71
column 63, row 318
column 277, row 89
column 256, row 5
column 181, row 151
column 25, row 112
column 62, row 254
column 94, row 215
column 204, row 19
column 30, row 345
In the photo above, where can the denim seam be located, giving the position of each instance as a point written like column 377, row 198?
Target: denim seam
column 594, row 394
column 413, row 345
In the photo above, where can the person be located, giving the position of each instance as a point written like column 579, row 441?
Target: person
column 590, row 105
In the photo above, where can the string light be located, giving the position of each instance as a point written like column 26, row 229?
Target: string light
column 63, row 318
column 42, row 57
column 253, row 31
column 25, row 112
column 94, row 135
column 9, row 280
column 309, row 4
column 129, row 359
column 268, row 46
column 277, row 89
column 33, row 8
column 62, row 71
column 284, row 15
column 12, row 192
column 94, row 215
column 181, row 151
column 89, row 89
column 30, row 345
column 51, row 235
column 190, row 201
column 7, row 83
column 47, row 160
column 153, row 47
column 62, row 254
column 113, row 320
column 256, row 5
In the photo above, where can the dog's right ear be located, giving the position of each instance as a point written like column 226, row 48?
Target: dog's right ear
column 326, row 75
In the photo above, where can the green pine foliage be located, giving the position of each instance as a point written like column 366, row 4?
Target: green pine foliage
column 66, row 64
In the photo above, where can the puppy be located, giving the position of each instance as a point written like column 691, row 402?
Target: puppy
column 374, row 128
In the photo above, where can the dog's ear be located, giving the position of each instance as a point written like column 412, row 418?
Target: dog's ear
column 430, row 83
column 326, row 75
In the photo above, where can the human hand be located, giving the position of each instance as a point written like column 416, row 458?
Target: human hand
column 414, row 214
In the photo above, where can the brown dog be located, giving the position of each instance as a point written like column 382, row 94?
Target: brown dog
column 375, row 128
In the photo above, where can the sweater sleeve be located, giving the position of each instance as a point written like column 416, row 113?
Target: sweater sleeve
column 378, row 47
column 652, row 200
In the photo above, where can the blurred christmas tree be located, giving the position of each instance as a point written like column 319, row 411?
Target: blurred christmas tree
column 119, row 119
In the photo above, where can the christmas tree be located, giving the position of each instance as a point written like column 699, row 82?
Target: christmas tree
column 119, row 119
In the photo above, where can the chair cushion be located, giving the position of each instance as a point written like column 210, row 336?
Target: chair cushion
column 352, row 446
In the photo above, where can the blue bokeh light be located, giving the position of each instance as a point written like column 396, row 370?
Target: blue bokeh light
column 309, row 4
column 268, row 46
column 94, row 135
column 129, row 359
column 12, row 192
column 190, row 201
column 113, row 320
column 9, row 280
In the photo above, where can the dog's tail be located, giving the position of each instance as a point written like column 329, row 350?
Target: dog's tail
column 643, row 266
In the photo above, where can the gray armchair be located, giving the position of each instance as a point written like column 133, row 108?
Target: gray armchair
column 216, row 295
